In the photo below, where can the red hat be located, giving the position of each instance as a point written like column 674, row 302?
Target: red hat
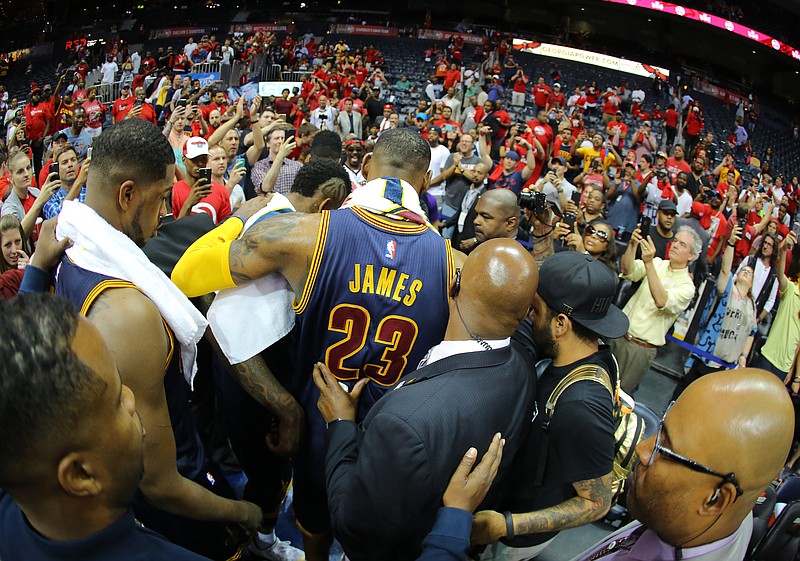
column 703, row 212
column 388, row 106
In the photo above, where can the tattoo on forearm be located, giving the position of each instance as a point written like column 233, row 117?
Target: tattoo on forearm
column 592, row 503
column 258, row 381
column 258, row 239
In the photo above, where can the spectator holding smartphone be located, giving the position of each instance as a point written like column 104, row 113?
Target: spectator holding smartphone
column 196, row 192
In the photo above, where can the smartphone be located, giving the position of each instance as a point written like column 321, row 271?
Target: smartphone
column 289, row 137
column 182, row 102
column 645, row 227
column 53, row 168
column 796, row 229
column 576, row 197
column 139, row 103
column 742, row 224
column 569, row 219
column 205, row 173
column 283, row 116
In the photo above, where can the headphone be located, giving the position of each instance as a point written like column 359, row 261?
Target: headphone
column 715, row 497
column 457, row 287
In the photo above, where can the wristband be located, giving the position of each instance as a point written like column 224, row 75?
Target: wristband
column 731, row 244
column 509, row 524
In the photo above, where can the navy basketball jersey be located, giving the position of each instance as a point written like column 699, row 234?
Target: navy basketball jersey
column 82, row 288
column 375, row 300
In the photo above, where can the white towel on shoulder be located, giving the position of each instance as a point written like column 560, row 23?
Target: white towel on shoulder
column 249, row 318
column 101, row 248
column 389, row 196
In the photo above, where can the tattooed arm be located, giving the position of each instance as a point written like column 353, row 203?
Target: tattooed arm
column 280, row 244
column 592, row 502
column 258, row 381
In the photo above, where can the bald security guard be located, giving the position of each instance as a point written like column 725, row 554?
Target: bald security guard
column 479, row 381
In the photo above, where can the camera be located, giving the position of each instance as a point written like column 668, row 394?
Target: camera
column 533, row 200
column 662, row 174
column 323, row 117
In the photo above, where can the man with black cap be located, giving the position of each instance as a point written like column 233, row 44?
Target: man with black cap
column 663, row 232
column 562, row 476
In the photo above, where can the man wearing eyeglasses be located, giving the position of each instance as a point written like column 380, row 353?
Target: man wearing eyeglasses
column 693, row 490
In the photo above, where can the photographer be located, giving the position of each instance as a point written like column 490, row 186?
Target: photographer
column 538, row 209
column 323, row 117
column 625, row 197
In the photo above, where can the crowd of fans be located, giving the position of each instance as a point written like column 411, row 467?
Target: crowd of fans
column 331, row 195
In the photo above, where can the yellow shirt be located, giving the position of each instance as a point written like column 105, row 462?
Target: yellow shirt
column 590, row 154
column 784, row 335
column 647, row 322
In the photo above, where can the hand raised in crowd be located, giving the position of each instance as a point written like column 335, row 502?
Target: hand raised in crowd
column 134, row 112
column 237, row 173
column 287, row 147
column 468, row 487
column 646, row 245
column 789, row 241
column 200, row 190
column 335, row 403
column 50, row 188
column 84, row 173
column 255, row 105
column 48, row 249
column 736, row 234
column 484, row 130
column 240, row 108
column 177, row 113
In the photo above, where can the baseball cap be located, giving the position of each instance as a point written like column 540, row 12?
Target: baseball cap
column 667, row 205
column 646, row 124
column 60, row 134
column 662, row 154
column 422, row 116
column 194, row 147
column 125, row 86
column 388, row 106
column 556, row 85
column 559, row 159
column 48, row 87
column 436, row 129
column 619, row 112
column 513, row 155
column 496, row 77
column 582, row 288
column 36, row 89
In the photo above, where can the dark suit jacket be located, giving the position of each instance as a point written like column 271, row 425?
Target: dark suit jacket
column 469, row 223
column 385, row 479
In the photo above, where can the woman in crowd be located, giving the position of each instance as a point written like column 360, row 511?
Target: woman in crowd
column 597, row 240
column 14, row 255
column 728, row 321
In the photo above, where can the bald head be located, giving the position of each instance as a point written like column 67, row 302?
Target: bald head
column 751, row 425
column 498, row 284
column 496, row 215
column 739, row 423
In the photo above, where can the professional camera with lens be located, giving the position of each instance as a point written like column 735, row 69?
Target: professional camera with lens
column 533, row 200
column 323, row 117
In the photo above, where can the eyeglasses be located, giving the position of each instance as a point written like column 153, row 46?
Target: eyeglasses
column 592, row 231
column 683, row 460
column 354, row 149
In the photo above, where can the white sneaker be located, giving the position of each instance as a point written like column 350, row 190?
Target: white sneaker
column 279, row 551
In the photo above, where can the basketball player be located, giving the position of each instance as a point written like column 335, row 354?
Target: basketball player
column 371, row 285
